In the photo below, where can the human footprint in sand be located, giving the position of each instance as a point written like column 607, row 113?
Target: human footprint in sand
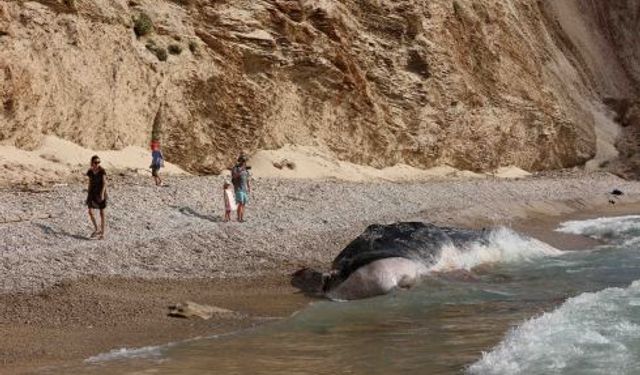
column 97, row 195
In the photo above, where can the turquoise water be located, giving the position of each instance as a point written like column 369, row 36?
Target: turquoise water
column 521, row 308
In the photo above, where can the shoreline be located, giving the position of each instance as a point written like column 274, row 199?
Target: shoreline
column 79, row 307
column 72, row 321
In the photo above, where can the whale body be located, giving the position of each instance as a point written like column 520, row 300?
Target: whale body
column 384, row 258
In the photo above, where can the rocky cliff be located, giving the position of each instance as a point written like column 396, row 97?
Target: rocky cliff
column 472, row 84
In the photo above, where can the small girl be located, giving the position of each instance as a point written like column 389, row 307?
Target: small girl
column 229, row 201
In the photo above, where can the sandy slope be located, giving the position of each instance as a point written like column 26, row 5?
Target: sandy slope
column 56, row 160
column 306, row 162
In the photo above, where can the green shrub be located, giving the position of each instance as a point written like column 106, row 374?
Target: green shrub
column 193, row 47
column 160, row 52
column 174, row 49
column 70, row 4
column 142, row 25
column 457, row 9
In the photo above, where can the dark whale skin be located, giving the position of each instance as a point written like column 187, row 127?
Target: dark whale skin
column 417, row 241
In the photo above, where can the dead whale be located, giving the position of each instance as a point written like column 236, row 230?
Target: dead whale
column 384, row 258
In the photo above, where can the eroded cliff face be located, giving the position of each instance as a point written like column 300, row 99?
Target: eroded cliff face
column 472, row 84
column 627, row 164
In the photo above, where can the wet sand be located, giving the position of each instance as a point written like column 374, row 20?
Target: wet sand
column 72, row 321
column 65, row 298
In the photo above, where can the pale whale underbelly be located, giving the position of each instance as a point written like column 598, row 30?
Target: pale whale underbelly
column 377, row 278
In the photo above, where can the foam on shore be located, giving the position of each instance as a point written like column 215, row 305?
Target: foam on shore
column 503, row 246
column 596, row 333
column 623, row 227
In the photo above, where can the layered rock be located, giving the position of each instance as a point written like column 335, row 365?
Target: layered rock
column 627, row 164
column 472, row 84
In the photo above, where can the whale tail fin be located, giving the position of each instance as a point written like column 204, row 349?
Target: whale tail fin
column 309, row 281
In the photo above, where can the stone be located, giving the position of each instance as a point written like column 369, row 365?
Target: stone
column 191, row 310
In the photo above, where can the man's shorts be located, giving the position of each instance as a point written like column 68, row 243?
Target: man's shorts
column 154, row 171
column 242, row 197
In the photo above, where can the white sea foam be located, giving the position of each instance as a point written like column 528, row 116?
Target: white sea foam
column 595, row 333
column 604, row 227
column 504, row 246
column 147, row 352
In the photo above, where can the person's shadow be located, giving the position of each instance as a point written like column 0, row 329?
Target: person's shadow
column 59, row 232
column 188, row 211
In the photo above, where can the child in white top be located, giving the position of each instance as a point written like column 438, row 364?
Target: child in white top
column 229, row 201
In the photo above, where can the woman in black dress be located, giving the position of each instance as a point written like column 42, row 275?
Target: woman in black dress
column 97, row 195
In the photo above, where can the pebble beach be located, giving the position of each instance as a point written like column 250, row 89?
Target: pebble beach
column 172, row 240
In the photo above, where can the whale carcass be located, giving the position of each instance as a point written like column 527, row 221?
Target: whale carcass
column 384, row 258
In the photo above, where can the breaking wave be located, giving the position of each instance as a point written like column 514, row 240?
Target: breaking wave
column 623, row 228
column 502, row 245
column 595, row 333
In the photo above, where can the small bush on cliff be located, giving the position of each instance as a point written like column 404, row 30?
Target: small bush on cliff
column 70, row 4
column 160, row 52
column 174, row 49
column 457, row 8
column 193, row 47
column 142, row 25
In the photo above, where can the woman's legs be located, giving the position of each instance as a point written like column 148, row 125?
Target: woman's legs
column 101, row 224
column 93, row 221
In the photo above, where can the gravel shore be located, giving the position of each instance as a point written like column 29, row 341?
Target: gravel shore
column 176, row 231
column 65, row 297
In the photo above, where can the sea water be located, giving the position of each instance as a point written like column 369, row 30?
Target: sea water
column 514, row 306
